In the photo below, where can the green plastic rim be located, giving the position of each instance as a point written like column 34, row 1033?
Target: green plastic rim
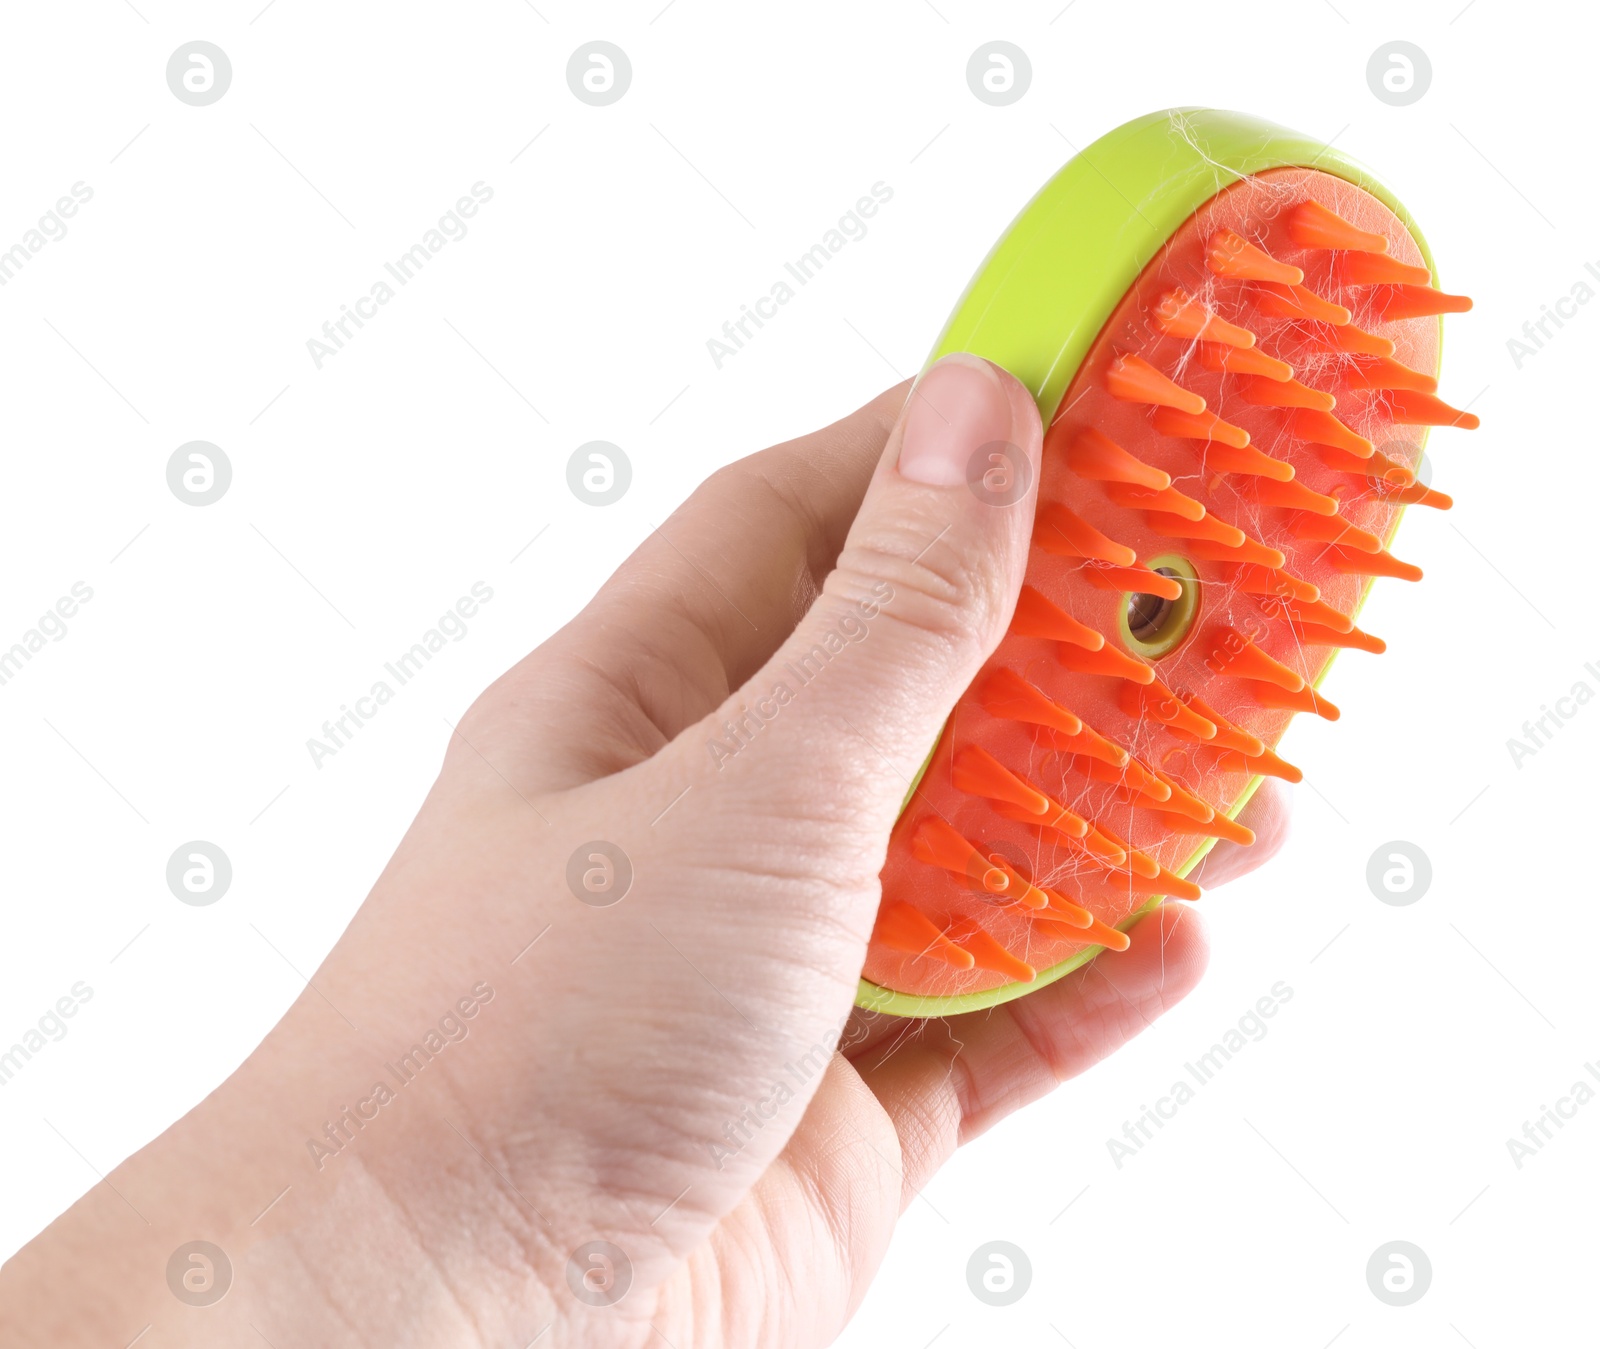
column 1047, row 288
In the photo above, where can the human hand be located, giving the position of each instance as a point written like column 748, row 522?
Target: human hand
column 644, row 1058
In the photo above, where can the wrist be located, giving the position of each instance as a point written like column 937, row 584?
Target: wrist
column 292, row 1203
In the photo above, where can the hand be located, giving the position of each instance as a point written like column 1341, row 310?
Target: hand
column 518, row 1051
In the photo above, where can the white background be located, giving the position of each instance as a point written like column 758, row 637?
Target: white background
column 370, row 494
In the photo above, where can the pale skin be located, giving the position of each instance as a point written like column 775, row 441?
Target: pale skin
column 617, row 1083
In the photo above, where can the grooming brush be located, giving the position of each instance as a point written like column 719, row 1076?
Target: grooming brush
column 1233, row 334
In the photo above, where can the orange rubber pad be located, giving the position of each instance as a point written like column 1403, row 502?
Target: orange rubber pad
column 1254, row 408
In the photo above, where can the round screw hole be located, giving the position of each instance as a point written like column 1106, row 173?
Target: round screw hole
column 1153, row 626
column 1148, row 614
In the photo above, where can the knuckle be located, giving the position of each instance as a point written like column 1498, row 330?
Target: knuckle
column 946, row 588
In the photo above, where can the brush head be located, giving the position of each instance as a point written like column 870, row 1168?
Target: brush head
column 1224, row 467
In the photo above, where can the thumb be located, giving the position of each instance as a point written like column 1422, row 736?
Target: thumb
column 922, row 592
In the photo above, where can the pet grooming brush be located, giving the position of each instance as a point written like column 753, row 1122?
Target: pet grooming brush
column 1232, row 333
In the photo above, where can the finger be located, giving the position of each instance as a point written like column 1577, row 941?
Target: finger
column 813, row 1230
column 922, row 592
column 1267, row 814
column 956, row 1078
column 701, row 603
column 743, row 558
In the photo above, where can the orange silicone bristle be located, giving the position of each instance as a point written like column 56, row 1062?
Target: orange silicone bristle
column 1314, row 634
column 1285, row 393
column 1035, row 616
column 1160, row 704
column 1379, row 372
column 1414, row 494
column 1218, row 490
column 1323, row 428
column 1266, row 763
column 904, row 927
column 1312, row 225
column 1307, row 611
column 1224, row 735
column 1378, row 269
column 1408, row 407
column 977, row 771
column 1135, row 380
column 1093, row 454
column 1292, row 495
column 1296, row 302
column 1411, row 302
column 1229, row 254
column 1206, row 527
column 1058, row 530
column 1243, row 361
column 987, row 953
column 1251, row 551
column 1200, row 425
column 1314, row 527
column 1168, row 499
column 1179, row 314
column 1351, row 340
column 1005, row 693
column 1251, row 579
column 1139, row 579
